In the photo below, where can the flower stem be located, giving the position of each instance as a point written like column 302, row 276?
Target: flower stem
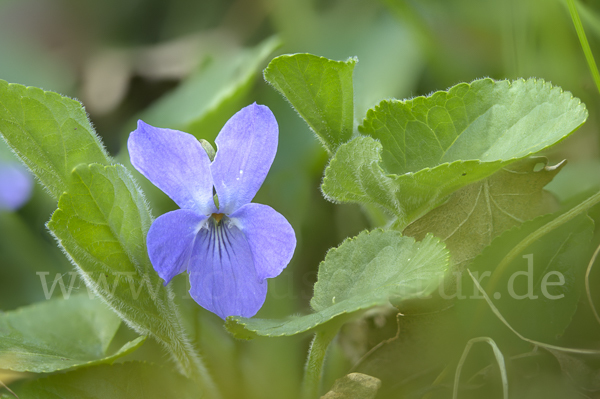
column 189, row 363
column 313, row 370
column 204, row 379
column 185, row 356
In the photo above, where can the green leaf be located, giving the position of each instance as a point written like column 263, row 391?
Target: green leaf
column 366, row 271
column 476, row 214
column 118, row 381
column 419, row 151
column 485, row 120
column 354, row 175
column 102, row 222
column 59, row 334
column 50, row 133
column 102, row 218
column 207, row 98
column 537, row 292
column 320, row 90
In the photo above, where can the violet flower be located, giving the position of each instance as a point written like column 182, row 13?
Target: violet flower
column 16, row 185
column 229, row 249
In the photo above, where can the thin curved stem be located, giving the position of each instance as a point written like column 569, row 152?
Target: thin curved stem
column 188, row 360
column 584, row 42
column 495, row 310
column 587, row 283
column 543, row 230
column 499, row 359
column 9, row 390
column 203, row 377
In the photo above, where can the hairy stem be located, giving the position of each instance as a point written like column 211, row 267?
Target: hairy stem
column 187, row 359
column 313, row 370
column 193, row 367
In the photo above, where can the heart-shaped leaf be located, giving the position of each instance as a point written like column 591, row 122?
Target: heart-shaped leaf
column 417, row 152
column 103, row 218
column 102, row 222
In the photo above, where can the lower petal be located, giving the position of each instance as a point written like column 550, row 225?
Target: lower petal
column 223, row 278
column 171, row 239
column 270, row 236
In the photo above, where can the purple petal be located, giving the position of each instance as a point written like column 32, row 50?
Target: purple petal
column 16, row 185
column 176, row 163
column 222, row 274
column 171, row 239
column 246, row 147
column 270, row 236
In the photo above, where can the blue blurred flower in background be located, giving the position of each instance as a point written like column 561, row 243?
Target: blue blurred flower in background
column 16, row 185
column 229, row 246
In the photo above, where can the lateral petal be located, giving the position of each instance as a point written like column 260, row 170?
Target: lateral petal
column 176, row 163
column 270, row 236
column 171, row 239
column 246, row 147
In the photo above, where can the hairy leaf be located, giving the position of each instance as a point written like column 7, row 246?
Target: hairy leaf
column 320, row 90
column 366, row 271
column 59, row 334
column 102, row 222
column 50, row 133
column 417, row 152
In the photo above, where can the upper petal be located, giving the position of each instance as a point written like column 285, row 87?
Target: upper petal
column 271, row 237
column 176, row 163
column 171, row 239
column 16, row 185
column 246, row 147
column 222, row 274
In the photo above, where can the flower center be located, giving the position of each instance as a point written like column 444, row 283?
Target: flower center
column 218, row 216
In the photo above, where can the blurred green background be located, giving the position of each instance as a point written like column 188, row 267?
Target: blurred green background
column 189, row 65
